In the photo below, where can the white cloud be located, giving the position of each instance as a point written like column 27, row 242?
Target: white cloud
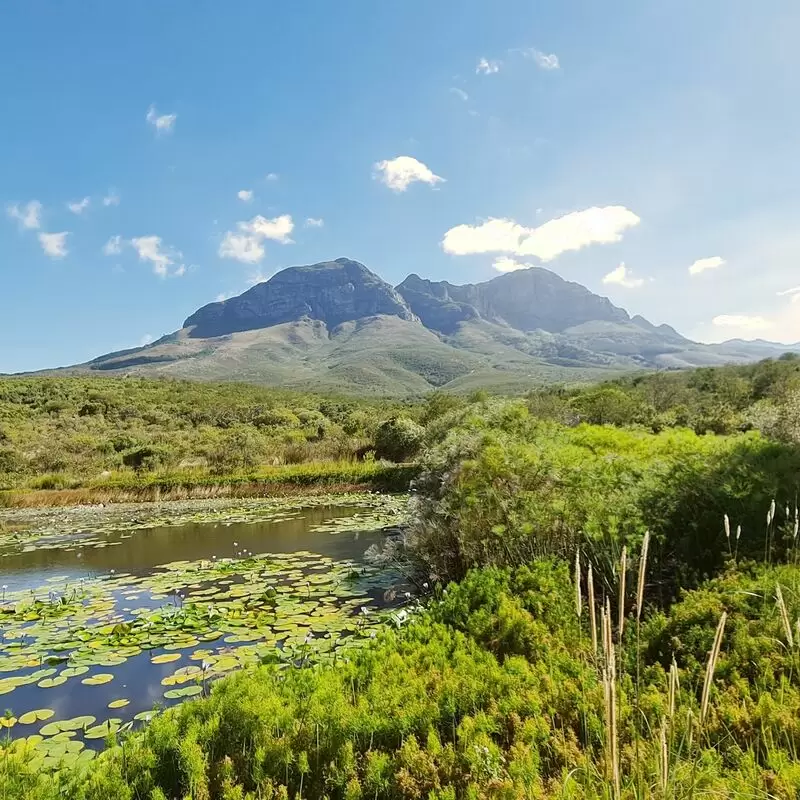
column 257, row 277
column 486, row 67
column 150, row 249
column 506, row 264
column 54, row 244
column 29, row 216
column 271, row 176
column 459, row 93
column 794, row 293
column 704, row 264
column 399, row 173
column 111, row 199
column 573, row 231
column 245, row 195
column 742, row 322
column 145, row 340
column 163, row 123
column 113, row 247
column 247, row 245
column 314, row 222
column 79, row 206
column 621, row 276
column 543, row 60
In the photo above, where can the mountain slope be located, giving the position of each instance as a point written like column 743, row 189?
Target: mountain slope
column 336, row 326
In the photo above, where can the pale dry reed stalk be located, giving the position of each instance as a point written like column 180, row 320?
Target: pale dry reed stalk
column 787, row 626
column 609, row 676
column 578, row 598
column 664, row 760
column 711, row 666
column 592, row 617
column 674, row 687
column 642, row 571
column 623, row 566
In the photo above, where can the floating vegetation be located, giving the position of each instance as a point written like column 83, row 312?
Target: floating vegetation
column 118, row 642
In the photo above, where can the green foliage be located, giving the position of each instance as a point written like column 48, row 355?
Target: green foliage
column 491, row 693
column 81, row 429
column 503, row 488
column 399, row 439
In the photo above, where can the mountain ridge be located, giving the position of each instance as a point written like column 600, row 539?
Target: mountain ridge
column 338, row 326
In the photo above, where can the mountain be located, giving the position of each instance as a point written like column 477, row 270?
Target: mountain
column 337, row 326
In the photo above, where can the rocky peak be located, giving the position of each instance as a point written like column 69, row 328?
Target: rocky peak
column 331, row 291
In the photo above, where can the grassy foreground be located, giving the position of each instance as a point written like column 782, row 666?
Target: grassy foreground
column 501, row 690
column 325, row 477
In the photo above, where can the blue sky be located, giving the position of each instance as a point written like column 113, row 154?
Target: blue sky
column 648, row 150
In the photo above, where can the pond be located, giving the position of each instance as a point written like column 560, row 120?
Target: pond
column 107, row 616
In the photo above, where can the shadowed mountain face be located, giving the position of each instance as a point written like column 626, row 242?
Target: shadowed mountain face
column 528, row 300
column 332, row 292
column 337, row 326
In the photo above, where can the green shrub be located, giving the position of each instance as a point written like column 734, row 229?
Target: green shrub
column 398, row 439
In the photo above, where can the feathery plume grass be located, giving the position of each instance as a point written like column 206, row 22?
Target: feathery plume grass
column 674, row 687
column 642, row 571
column 623, row 567
column 711, row 666
column 664, row 759
column 578, row 598
column 592, row 612
column 787, row 626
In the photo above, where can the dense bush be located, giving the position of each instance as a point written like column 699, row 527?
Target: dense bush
column 494, row 692
column 503, row 488
column 398, row 439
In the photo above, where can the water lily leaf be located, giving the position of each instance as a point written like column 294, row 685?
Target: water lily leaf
column 185, row 691
column 165, row 658
column 121, row 703
column 8, row 722
column 49, row 683
column 99, row 679
column 38, row 715
column 145, row 716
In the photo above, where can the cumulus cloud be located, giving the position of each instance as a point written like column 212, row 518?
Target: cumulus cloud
column 314, row 222
column 245, row 195
column 246, row 244
column 542, row 60
column 54, row 244
column 150, row 248
column 113, row 247
column 79, row 206
column 162, row 123
column 459, row 93
column 621, row 276
column 705, row 264
column 399, row 173
column 486, row 67
column 29, row 216
column 271, row 176
column 111, row 199
column 507, row 264
column 574, row 231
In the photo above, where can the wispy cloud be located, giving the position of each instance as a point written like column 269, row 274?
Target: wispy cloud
column 314, row 222
column 271, row 176
column 794, row 293
column 742, row 322
column 151, row 249
column 705, row 264
column 29, row 216
column 162, row 123
column 487, row 67
column 113, row 247
column 574, row 231
column 79, row 206
column 621, row 276
column 246, row 243
column 245, row 195
column 459, row 93
column 542, row 60
column 399, row 173
column 145, row 340
column 111, row 199
column 54, row 244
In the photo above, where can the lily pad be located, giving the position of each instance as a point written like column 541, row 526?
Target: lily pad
column 99, row 679
column 185, row 691
column 121, row 703
column 165, row 658
column 38, row 715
